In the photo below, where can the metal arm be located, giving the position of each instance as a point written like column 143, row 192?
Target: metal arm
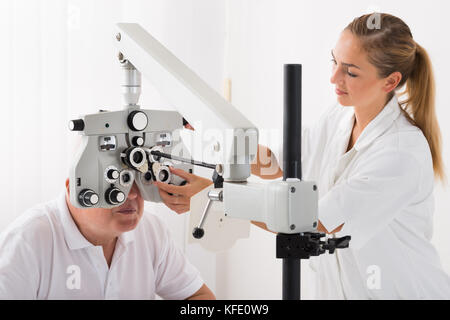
column 192, row 97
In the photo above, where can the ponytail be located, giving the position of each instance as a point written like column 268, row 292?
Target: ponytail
column 420, row 105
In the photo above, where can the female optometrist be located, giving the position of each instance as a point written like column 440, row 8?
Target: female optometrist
column 374, row 160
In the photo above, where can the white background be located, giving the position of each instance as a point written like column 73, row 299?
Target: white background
column 59, row 62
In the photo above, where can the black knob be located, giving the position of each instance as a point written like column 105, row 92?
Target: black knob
column 134, row 157
column 198, row 233
column 138, row 141
column 87, row 198
column 148, row 176
column 114, row 196
column 76, row 125
column 137, row 120
column 112, row 174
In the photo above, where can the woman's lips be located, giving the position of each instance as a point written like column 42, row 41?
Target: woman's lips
column 339, row 92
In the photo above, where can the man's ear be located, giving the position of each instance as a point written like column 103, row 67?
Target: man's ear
column 67, row 186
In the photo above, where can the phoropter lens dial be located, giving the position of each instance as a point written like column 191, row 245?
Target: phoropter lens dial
column 87, row 198
column 114, row 196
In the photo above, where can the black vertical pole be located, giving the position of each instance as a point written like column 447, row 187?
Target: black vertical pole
column 292, row 129
column 292, row 121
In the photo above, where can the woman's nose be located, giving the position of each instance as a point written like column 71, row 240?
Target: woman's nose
column 334, row 75
column 337, row 75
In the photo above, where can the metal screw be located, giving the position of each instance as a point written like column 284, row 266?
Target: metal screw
column 219, row 169
column 118, row 37
column 292, row 189
column 120, row 56
column 314, row 187
column 314, row 224
column 292, row 226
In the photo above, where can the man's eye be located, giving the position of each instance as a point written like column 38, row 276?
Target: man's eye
column 352, row 75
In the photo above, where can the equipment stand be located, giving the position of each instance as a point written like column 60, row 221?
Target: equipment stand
column 294, row 247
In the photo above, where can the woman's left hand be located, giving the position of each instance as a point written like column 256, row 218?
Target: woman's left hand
column 180, row 200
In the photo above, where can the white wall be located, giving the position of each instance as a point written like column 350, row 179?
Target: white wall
column 62, row 63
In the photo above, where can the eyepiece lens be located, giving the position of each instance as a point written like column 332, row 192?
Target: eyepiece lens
column 163, row 175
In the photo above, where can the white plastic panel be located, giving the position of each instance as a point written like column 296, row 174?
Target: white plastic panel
column 220, row 232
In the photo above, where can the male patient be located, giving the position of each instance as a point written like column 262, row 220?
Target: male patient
column 58, row 251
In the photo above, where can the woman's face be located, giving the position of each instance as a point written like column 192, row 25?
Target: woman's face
column 356, row 80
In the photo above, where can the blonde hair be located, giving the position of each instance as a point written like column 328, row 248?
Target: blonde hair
column 390, row 47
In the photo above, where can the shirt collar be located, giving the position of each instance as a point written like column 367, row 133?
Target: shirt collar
column 127, row 237
column 74, row 239
column 375, row 128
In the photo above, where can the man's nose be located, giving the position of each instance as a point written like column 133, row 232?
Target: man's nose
column 134, row 192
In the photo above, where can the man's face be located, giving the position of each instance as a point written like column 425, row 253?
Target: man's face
column 110, row 221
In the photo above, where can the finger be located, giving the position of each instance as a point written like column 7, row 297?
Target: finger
column 167, row 198
column 183, row 174
column 173, row 200
column 171, row 188
column 188, row 126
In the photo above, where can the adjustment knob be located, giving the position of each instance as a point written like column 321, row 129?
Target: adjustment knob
column 76, row 125
column 112, row 174
column 137, row 120
column 114, row 196
column 198, row 233
column 87, row 198
column 138, row 141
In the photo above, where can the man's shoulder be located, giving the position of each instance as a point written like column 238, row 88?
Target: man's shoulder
column 33, row 227
column 152, row 231
column 152, row 223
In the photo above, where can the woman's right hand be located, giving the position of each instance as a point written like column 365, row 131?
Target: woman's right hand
column 266, row 165
column 178, row 198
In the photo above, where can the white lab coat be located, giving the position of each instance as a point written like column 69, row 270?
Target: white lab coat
column 382, row 190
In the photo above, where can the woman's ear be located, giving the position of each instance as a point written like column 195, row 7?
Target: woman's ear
column 392, row 81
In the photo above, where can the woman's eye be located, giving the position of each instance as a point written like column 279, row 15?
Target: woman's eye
column 349, row 73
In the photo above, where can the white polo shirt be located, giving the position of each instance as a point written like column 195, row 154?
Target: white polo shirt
column 43, row 255
column 382, row 190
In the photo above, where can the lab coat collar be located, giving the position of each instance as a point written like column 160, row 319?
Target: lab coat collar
column 375, row 128
column 74, row 239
